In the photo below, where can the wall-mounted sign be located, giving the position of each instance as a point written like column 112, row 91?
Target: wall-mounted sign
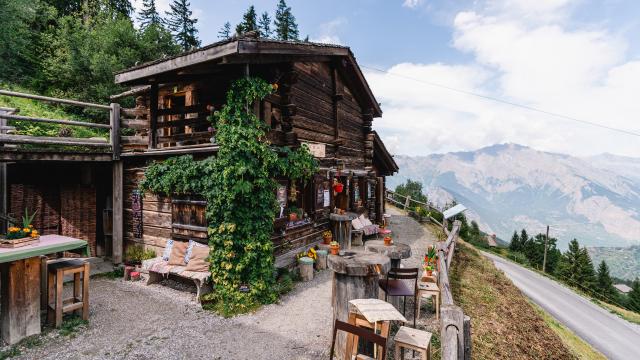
column 281, row 195
column 317, row 150
column 326, row 195
column 136, row 206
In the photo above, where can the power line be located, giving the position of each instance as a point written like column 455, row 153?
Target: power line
column 486, row 97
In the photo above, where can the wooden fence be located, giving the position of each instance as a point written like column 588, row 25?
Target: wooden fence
column 407, row 203
column 113, row 126
column 455, row 327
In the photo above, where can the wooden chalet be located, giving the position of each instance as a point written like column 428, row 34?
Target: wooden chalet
column 322, row 100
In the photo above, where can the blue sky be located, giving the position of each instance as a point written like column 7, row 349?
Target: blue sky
column 579, row 58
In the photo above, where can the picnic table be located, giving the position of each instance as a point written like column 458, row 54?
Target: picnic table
column 20, row 284
column 355, row 276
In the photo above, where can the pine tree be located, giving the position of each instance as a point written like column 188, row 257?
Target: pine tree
column 285, row 22
column 182, row 25
column 576, row 267
column 249, row 21
column 225, row 31
column 524, row 239
column 604, row 283
column 264, row 25
column 149, row 14
column 633, row 297
column 514, row 245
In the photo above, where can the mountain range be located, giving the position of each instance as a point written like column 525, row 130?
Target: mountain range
column 508, row 187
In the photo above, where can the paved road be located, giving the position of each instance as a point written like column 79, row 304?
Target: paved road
column 606, row 332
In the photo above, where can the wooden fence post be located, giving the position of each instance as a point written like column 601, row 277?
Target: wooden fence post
column 467, row 337
column 118, row 220
column 114, row 119
column 452, row 334
column 407, row 202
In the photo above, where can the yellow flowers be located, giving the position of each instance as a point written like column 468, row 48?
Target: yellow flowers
column 274, row 87
column 15, row 232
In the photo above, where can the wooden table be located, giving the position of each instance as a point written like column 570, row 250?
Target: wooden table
column 396, row 251
column 342, row 228
column 355, row 276
column 20, row 285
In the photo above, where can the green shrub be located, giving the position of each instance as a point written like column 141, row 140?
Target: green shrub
column 137, row 254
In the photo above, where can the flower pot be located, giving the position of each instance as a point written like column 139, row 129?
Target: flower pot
column 387, row 241
column 338, row 187
column 16, row 243
column 327, row 239
column 335, row 250
column 293, row 217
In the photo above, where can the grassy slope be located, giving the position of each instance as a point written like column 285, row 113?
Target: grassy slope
column 504, row 323
column 41, row 109
column 583, row 350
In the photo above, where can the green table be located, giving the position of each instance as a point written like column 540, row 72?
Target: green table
column 20, row 284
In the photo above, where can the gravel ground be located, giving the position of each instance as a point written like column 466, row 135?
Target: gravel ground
column 129, row 320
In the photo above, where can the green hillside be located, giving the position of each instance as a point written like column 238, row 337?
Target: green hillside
column 624, row 262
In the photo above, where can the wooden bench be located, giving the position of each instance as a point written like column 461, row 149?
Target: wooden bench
column 159, row 269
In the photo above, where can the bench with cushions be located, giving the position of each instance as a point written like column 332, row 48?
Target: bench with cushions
column 362, row 226
column 187, row 260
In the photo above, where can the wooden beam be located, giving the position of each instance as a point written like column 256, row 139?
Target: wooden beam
column 131, row 92
column 55, row 121
column 20, row 155
column 153, row 115
column 118, row 206
column 46, row 140
column 192, row 58
column 176, row 150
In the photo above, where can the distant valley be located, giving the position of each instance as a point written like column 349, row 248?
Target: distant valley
column 509, row 187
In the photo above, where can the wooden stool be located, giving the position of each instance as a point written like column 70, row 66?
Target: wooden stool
column 413, row 339
column 56, row 304
column 429, row 290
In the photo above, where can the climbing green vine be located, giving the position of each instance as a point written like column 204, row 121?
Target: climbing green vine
column 239, row 186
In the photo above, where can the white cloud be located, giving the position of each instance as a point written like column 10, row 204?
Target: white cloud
column 536, row 60
column 412, row 4
column 328, row 33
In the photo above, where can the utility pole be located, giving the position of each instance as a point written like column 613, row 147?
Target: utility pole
column 546, row 244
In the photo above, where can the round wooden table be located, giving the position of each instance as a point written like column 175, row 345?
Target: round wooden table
column 396, row 251
column 355, row 276
column 342, row 228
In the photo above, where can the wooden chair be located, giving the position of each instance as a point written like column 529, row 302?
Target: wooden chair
column 365, row 334
column 429, row 290
column 57, row 305
column 413, row 339
column 393, row 285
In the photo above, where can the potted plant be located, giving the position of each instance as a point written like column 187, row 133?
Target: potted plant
column 22, row 236
column 429, row 269
column 327, row 236
column 335, row 247
column 338, row 187
column 430, row 256
column 388, row 241
column 293, row 213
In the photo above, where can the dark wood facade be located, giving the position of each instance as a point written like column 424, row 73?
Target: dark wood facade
column 322, row 100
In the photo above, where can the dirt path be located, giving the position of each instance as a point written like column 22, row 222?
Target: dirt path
column 133, row 321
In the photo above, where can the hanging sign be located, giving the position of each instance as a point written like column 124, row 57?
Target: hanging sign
column 136, row 206
column 317, row 150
